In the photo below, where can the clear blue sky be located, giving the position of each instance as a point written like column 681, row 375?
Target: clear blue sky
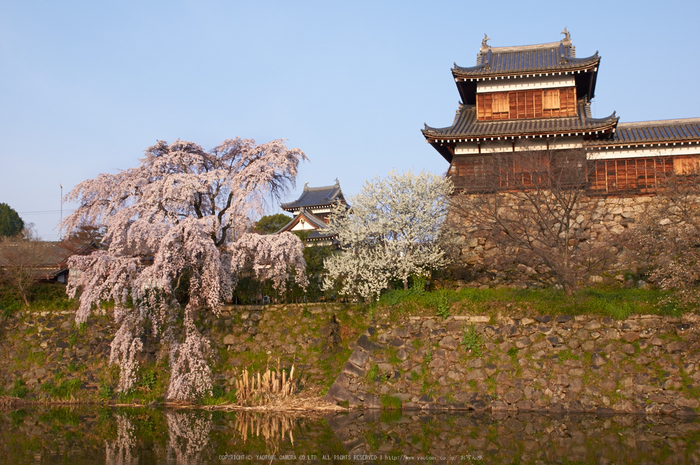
column 87, row 86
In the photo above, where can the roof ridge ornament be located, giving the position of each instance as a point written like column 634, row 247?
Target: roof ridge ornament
column 484, row 45
column 567, row 37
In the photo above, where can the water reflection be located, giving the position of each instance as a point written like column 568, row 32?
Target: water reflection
column 520, row 438
column 188, row 435
column 131, row 436
column 273, row 427
column 118, row 451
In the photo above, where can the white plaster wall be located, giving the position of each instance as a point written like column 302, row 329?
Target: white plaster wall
column 505, row 85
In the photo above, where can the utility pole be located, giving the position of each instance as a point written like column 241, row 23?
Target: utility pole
column 60, row 233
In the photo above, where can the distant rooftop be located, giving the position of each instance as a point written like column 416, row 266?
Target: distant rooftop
column 320, row 231
column 45, row 260
column 316, row 197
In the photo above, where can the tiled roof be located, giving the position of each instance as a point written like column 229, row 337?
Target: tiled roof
column 466, row 126
column 44, row 260
column 313, row 234
column 317, row 222
column 319, row 235
column 316, row 197
column 47, row 273
column 45, row 254
column 314, row 220
column 528, row 59
column 650, row 132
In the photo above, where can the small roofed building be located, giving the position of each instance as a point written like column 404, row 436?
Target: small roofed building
column 538, row 97
column 44, row 261
column 312, row 212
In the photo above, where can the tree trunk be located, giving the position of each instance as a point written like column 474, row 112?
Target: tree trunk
column 25, row 297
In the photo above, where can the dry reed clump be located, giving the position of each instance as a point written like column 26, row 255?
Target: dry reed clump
column 257, row 389
column 273, row 391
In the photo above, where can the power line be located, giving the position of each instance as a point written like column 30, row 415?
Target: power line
column 44, row 212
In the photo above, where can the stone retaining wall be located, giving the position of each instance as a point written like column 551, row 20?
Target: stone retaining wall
column 644, row 364
column 306, row 336
column 600, row 220
column 38, row 346
column 47, row 347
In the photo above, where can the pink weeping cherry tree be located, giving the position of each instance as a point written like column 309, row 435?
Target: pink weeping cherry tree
column 179, row 223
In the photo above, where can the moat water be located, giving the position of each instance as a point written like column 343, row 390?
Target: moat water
column 90, row 435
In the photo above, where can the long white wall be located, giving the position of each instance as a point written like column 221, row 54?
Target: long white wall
column 504, row 85
column 635, row 152
column 521, row 145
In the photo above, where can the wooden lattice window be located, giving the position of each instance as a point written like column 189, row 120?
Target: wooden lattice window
column 550, row 99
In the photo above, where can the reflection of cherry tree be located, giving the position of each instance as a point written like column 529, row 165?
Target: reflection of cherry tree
column 119, row 451
column 188, row 435
column 177, row 241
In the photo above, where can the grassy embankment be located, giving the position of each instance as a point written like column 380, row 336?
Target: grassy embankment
column 617, row 303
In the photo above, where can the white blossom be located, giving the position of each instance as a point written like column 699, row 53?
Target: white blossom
column 389, row 233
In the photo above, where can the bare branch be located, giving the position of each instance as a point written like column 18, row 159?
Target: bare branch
column 529, row 212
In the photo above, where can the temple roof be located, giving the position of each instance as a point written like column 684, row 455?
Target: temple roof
column 526, row 59
column 316, row 197
column 466, row 127
column 651, row 132
column 554, row 58
column 319, row 233
column 50, row 254
column 304, row 215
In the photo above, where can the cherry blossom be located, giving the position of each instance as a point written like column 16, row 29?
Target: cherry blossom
column 176, row 225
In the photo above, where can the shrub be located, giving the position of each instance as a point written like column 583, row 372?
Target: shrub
column 390, row 402
column 372, row 373
column 64, row 390
column 18, row 389
column 443, row 306
column 105, row 392
column 471, row 341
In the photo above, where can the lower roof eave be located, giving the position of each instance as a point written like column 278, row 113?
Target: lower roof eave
column 619, row 145
column 442, row 150
column 502, row 137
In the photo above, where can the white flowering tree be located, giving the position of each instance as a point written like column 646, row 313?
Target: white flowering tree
column 178, row 225
column 389, row 233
